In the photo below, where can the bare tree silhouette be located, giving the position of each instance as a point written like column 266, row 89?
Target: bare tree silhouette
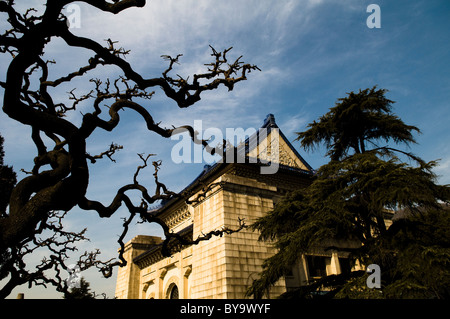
column 40, row 200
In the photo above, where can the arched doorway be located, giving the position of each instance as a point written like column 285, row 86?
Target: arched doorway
column 173, row 292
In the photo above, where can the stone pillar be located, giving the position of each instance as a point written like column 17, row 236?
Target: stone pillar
column 335, row 266
column 223, row 267
column 160, row 286
column 208, row 274
column 128, row 277
column 185, row 282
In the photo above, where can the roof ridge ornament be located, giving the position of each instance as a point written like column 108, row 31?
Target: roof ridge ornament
column 269, row 120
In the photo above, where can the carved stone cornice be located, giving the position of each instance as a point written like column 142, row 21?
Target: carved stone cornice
column 175, row 218
column 154, row 254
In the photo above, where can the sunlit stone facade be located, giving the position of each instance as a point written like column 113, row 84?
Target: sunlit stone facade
column 223, row 267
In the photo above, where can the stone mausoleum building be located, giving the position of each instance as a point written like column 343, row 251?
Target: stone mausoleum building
column 224, row 267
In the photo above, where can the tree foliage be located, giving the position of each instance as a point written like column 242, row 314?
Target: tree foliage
column 350, row 199
column 81, row 292
column 60, row 177
column 357, row 120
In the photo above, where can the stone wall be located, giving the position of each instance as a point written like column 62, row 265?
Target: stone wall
column 157, row 280
column 221, row 267
column 128, row 277
column 249, row 199
column 208, row 266
column 224, row 267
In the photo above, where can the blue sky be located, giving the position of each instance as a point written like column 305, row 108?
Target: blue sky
column 310, row 52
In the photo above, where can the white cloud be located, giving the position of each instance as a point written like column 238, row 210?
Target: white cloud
column 293, row 124
column 443, row 171
column 171, row 27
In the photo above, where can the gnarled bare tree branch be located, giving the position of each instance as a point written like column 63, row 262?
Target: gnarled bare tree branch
column 60, row 176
